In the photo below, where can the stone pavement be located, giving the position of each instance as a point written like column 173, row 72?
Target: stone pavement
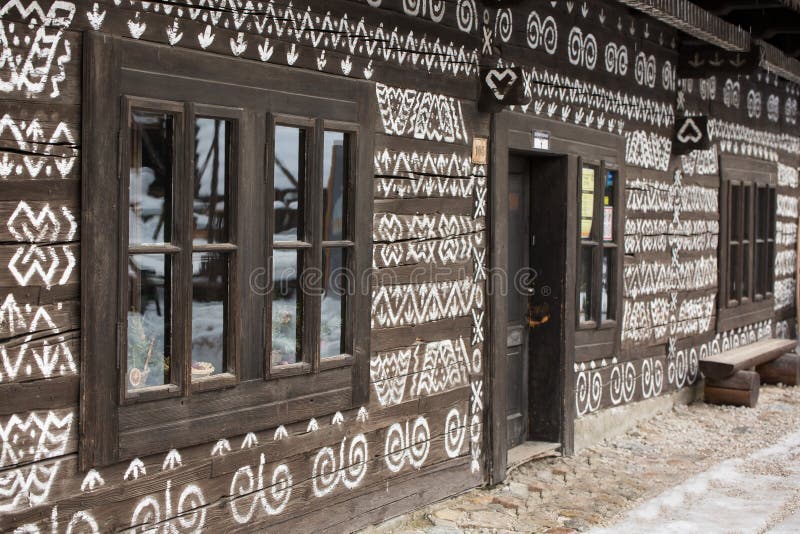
column 596, row 487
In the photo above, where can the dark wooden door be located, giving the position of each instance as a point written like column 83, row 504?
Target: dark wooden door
column 519, row 239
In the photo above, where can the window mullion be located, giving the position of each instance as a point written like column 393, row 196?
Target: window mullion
column 313, row 231
column 597, row 256
column 182, row 217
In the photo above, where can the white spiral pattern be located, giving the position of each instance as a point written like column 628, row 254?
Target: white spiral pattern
column 466, row 15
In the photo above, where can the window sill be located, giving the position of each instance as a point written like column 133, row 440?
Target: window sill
column 341, row 360
column 220, row 381
column 294, row 369
column 151, row 393
column 744, row 313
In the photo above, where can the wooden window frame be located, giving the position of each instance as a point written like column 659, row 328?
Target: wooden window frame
column 311, row 244
column 599, row 246
column 118, row 72
column 750, row 177
column 180, row 249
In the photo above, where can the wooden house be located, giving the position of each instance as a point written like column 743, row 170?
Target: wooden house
column 307, row 265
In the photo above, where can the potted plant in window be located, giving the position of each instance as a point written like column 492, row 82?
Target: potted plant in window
column 140, row 352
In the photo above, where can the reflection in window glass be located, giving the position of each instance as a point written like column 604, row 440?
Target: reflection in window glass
column 151, row 169
column 587, row 201
column 585, row 285
column 334, row 171
column 733, row 276
column 209, row 303
column 607, row 286
column 287, row 308
column 148, row 321
column 211, row 175
column 289, row 181
column 333, row 303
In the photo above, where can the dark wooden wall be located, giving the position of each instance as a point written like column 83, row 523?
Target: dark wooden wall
column 421, row 436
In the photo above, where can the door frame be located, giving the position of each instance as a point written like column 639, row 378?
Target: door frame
column 514, row 131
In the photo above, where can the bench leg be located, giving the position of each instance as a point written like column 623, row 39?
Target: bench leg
column 784, row 370
column 739, row 389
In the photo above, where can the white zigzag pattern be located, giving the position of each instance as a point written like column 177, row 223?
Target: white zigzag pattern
column 420, row 114
column 411, row 304
column 31, row 70
column 306, row 28
column 51, row 432
column 31, row 138
column 391, row 227
column 647, row 150
column 544, row 86
column 27, row 486
column 413, row 163
column 442, row 251
column 651, row 278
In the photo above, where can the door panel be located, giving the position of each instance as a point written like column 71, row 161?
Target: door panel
column 517, row 352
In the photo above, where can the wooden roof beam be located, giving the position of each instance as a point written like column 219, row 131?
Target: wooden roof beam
column 696, row 22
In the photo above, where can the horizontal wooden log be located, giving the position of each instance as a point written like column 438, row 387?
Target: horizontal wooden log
column 743, row 380
column 413, row 206
column 31, row 221
column 383, row 339
column 23, row 397
column 39, row 265
column 65, row 190
column 782, row 370
column 727, row 363
column 734, row 397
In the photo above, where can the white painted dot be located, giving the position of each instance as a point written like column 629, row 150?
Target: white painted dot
column 16, row 40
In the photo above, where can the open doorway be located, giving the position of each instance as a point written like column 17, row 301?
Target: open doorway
column 537, row 199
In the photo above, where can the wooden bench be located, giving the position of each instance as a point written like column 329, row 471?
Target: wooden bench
column 729, row 382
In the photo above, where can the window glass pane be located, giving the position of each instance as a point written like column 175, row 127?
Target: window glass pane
column 151, row 169
column 770, row 269
column 287, row 307
column 735, row 212
column 746, row 265
column 733, row 272
column 334, row 173
column 289, row 177
column 148, row 320
column 608, row 205
column 761, row 211
column 585, row 286
column 209, row 306
column 772, row 193
column 333, row 303
column 587, row 201
column 748, row 215
column 607, row 288
column 212, row 152
column 760, row 274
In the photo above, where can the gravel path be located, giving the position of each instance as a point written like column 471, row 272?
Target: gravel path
column 599, row 486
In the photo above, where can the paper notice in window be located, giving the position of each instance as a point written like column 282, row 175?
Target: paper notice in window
column 587, row 184
column 608, row 223
column 587, row 202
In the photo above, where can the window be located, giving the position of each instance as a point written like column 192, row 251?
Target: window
column 751, row 242
column 310, row 253
column 747, row 241
column 181, row 247
column 599, row 247
column 232, row 285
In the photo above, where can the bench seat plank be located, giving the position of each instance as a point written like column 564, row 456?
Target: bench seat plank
column 726, row 363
